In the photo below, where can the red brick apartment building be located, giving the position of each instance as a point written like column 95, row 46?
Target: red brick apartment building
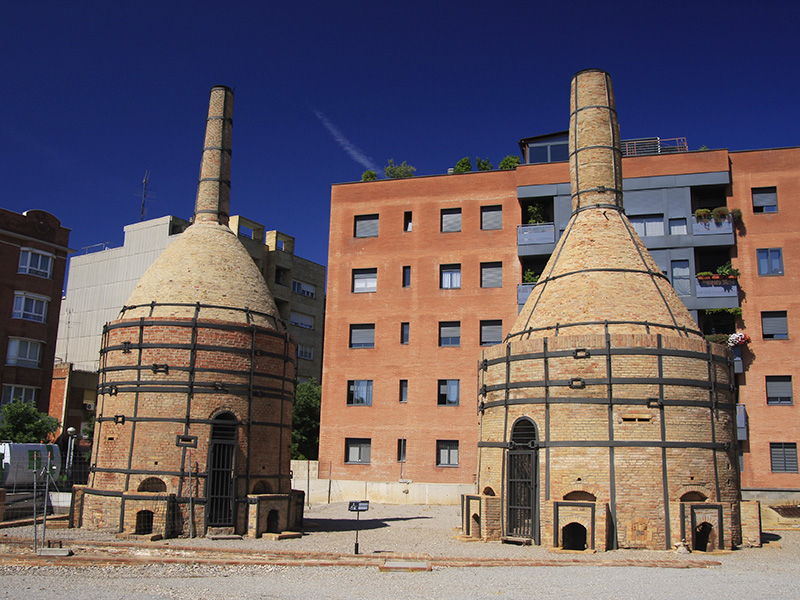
column 33, row 256
column 422, row 272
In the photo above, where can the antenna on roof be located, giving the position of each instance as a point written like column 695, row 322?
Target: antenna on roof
column 144, row 191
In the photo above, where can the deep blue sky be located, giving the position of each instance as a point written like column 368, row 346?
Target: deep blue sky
column 96, row 93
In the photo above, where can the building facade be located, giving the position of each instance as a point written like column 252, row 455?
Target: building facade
column 33, row 257
column 423, row 272
column 99, row 283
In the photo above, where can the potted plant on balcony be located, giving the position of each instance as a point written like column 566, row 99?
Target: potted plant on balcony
column 529, row 276
column 720, row 214
column 702, row 215
column 727, row 271
column 738, row 339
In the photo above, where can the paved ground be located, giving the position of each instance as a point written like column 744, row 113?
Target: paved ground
column 104, row 567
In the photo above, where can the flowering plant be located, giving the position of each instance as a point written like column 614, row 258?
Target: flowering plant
column 738, row 339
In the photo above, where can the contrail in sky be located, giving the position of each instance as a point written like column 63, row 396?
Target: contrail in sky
column 355, row 153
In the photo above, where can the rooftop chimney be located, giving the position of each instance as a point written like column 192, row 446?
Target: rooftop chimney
column 214, row 186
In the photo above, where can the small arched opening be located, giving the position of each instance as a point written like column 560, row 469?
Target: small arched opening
column 703, row 537
column 580, row 496
column 272, row 522
column 488, row 491
column 144, row 522
column 693, row 497
column 522, row 489
column 573, row 537
column 152, row 484
column 475, row 529
column 262, row 487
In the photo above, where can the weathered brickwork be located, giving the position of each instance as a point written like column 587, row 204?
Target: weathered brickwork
column 618, row 410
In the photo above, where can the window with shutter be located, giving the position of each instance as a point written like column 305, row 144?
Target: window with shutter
column 783, row 457
column 365, row 226
column 362, row 335
column 492, row 275
column 365, row 281
column 446, row 453
column 774, row 325
column 451, row 220
column 357, row 450
column 779, row 389
column 492, row 217
column 450, row 333
column 491, row 332
column 765, row 200
column 680, row 277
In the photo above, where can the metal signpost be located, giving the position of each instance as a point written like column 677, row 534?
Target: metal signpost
column 358, row 506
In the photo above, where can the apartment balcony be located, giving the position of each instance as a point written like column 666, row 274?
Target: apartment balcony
column 718, row 286
column 535, row 240
column 523, row 291
column 738, row 365
column 712, row 233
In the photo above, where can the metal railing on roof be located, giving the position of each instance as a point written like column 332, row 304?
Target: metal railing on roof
column 653, row 145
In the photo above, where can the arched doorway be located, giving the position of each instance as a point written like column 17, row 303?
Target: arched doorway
column 221, row 479
column 573, row 537
column 702, row 536
column 522, row 469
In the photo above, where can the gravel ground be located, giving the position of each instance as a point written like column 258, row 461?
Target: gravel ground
column 772, row 571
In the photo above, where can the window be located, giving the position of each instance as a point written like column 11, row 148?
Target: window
column 301, row 320
column 448, row 392
column 449, row 277
column 765, row 200
column 407, row 221
column 356, row 450
column 34, row 262
column 406, row 276
column 362, row 336
column 774, row 325
column 365, row 226
column 770, row 261
column 304, row 289
column 30, row 306
column 783, row 457
column 401, row 450
column 24, row 353
column 491, row 332
column 779, row 389
column 492, row 217
column 648, row 225
column 492, row 275
column 359, row 392
column 450, row 333
column 305, row 352
column 678, row 226
column 404, row 390
column 19, row 392
column 365, row 281
column 680, row 277
column 404, row 332
column 446, row 453
column 281, row 276
column 451, row 220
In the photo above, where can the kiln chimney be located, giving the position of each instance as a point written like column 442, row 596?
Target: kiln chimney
column 214, row 186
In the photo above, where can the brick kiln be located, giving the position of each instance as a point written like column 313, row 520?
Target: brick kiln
column 193, row 426
column 606, row 419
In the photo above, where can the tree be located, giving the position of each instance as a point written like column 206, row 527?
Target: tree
column 369, row 175
column 484, row 164
column 509, row 162
column 463, row 166
column 21, row 423
column 305, row 421
column 401, row 171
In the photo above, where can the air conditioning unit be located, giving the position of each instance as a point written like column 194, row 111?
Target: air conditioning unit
column 90, row 406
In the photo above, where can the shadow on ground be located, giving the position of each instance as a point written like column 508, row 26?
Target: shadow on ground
column 331, row 525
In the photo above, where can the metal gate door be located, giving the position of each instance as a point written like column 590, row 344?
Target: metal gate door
column 221, row 473
column 522, row 495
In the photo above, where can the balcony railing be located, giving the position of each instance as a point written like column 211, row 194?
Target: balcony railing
column 523, row 291
column 711, row 226
column 717, row 286
column 541, row 233
column 654, row 145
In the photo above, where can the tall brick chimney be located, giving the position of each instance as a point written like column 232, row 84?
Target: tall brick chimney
column 214, row 185
column 607, row 420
